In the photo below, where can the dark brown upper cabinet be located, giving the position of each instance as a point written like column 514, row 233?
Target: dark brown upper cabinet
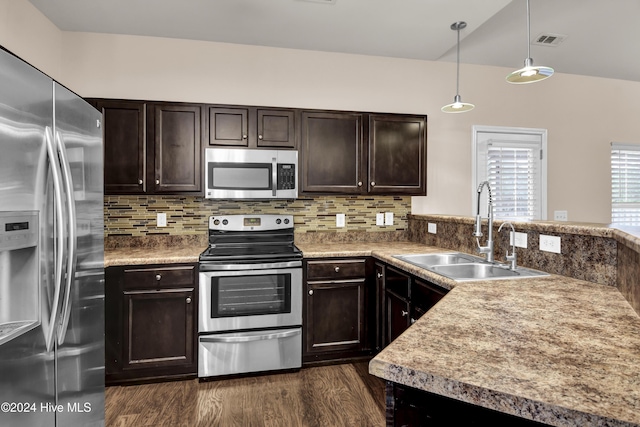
column 176, row 135
column 342, row 156
column 151, row 148
column 123, row 124
column 397, row 154
column 251, row 127
column 332, row 152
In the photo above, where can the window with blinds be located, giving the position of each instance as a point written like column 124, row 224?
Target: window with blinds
column 513, row 173
column 625, row 184
column 512, row 161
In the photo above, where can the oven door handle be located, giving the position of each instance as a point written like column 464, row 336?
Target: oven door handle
column 241, row 339
column 236, row 267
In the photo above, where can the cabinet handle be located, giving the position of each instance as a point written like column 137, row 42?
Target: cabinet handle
column 413, row 320
column 404, row 313
column 259, row 136
column 337, row 269
column 158, row 277
column 140, row 182
column 157, row 181
column 379, row 275
column 373, row 184
column 188, row 300
column 359, row 183
column 244, row 136
column 310, row 291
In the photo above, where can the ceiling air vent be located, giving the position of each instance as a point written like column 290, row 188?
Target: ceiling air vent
column 549, row 39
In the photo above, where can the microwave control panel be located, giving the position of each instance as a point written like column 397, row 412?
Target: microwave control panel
column 286, row 176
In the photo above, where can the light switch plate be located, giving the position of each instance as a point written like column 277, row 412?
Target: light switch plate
column 380, row 219
column 388, row 218
column 340, row 220
column 550, row 243
column 162, row 219
column 432, row 228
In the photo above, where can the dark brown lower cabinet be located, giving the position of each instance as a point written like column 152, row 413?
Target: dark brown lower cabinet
column 339, row 309
column 407, row 406
column 405, row 298
column 150, row 322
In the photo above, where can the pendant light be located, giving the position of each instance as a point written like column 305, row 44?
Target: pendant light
column 458, row 106
column 529, row 73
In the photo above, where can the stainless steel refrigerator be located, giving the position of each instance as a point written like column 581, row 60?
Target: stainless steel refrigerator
column 51, row 253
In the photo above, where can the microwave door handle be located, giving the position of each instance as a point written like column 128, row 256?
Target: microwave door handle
column 274, row 176
column 59, row 238
column 241, row 339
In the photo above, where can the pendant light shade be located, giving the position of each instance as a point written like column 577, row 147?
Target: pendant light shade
column 529, row 73
column 458, row 106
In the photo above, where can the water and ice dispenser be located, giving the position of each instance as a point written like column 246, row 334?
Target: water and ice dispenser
column 19, row 274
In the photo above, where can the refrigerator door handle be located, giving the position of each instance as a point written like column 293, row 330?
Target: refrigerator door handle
column 71, row 236
column 52, row 155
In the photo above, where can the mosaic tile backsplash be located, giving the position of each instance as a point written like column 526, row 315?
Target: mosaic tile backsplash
column 188, row 215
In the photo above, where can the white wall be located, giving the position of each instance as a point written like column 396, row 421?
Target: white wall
column 27, row 33
column 582, row 114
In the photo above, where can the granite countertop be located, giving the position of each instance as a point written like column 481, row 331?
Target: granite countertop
column 151, row 255
column 560, row 351
column 554, row 349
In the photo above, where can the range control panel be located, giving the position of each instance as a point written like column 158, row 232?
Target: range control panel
column 18, row 230
column 250, row 222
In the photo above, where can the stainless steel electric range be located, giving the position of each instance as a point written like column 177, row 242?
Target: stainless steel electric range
column 250, row 304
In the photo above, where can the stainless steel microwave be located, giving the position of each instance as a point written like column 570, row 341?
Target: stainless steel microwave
column 240, row 173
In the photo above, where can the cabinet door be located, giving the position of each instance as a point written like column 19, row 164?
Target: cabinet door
column 159, row 328
column 276, row 128
column 177, row 143
column 397, row 316
column 228, row 126
column 123, row 124
column 397, row 154
column 332, row 152
column 335, row 316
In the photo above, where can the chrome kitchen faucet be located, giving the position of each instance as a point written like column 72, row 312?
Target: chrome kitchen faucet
column 513, row 257
column 488, row 248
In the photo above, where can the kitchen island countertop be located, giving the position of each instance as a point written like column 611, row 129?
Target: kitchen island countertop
column 554, row 349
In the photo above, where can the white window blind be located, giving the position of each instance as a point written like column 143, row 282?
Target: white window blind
column 512, row 172
column 625, row 184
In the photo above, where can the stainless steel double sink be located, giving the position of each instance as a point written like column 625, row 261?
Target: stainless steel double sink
column 463, row 267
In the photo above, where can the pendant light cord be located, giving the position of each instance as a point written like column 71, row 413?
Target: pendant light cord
column 458, row 65
column 528, row 31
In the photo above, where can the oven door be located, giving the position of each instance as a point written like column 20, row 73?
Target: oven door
column 249, row 296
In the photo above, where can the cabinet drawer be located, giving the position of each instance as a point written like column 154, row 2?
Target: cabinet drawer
column 155, row 277
column 335, row 269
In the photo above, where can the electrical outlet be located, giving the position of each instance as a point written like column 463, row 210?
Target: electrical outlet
column 520, row 239
column 340, row 220
column 380, row 219
column 162, row 219
column 432, row 228
column 560, row 216
column 388, row 218
column 550, row 243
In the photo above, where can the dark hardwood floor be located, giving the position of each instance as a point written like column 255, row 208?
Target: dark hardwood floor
column 336, row 395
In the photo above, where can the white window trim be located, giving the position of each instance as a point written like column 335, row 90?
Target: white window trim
column 542, row 133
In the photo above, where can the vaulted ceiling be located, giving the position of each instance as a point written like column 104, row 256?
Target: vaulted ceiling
column 598, row 38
